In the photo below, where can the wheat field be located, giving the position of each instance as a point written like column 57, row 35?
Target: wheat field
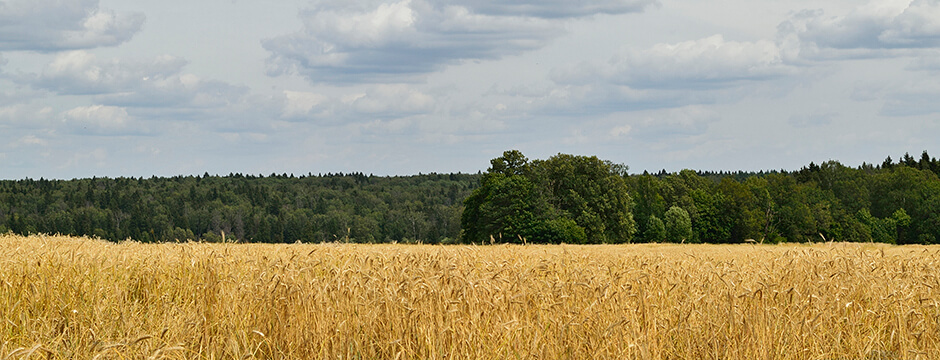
column 79, row 298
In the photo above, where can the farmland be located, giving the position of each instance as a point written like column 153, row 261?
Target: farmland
column 66, row 297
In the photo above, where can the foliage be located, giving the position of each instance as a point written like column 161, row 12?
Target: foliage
column 891, row 203
column 504, row 207
column 655, row 230
column 678, row 225
column 246, row 208
column 566, row 198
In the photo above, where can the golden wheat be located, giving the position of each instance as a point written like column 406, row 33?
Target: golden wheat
column 71, row 298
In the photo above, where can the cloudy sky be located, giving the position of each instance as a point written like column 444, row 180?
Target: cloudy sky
column 141, row 88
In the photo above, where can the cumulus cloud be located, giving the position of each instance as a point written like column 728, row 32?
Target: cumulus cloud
column 393, row 99
column 917, row 26
column 555, row 8
column 605, row 98
column 29, row 140
column 400, row 41
column 620, row 130
column 25, row 116
column 155, row 82
column 713, row 69
column 82, row 73
column 97, row 120
column 379, row 101
column 52, row 25
column 299, row 105
column 877, row 29
column 182, row 93
column 653, row 127
column 708, row 63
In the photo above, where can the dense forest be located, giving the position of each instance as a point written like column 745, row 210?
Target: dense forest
column 566, row 198
column 893, row 202
column 276, row 208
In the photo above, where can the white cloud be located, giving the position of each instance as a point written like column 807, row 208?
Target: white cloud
column 382, row 128
column 621, row 130
column 880, row 28
column 399, row 86
column 603, row 97
column 550, row 9
column 13, row 96
column 388, row 22
column 29, row 140
column 156, row 82
column 25, row 116
column 51, row 25
column 97, row 157
column 917, row 26
column 377, row 101
column 555, row 8
column 82, row 73
column 651, row 128
column 301, row 104
column 393, row 100
column 97, row 119
column 400, row 41
column 706, row 63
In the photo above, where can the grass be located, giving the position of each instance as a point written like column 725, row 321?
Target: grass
column 77, row 298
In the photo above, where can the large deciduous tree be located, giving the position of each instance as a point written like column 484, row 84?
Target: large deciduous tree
column 567, row 198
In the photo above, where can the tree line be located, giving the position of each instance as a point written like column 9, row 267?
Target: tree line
column 579, row 199
column 827, row 202
column 566, row 198
column 249, row 208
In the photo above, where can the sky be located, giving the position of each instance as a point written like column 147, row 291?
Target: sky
column 163, row 88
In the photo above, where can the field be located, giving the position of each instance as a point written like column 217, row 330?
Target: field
column 71, row 298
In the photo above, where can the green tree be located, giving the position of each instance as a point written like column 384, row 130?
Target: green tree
column 589, row 191
column 678, row 225
column 503, row 209
column 655, row 230
column 647, row 194
column 511, row 163
column 742, row 210
column 712, row 224
column 879, row 230
column 902, row 221
column 566, row 198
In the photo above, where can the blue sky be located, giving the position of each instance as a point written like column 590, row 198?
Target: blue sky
column 141, row 88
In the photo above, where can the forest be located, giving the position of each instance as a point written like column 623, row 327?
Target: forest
column 566, row 198
column 247, row 208
column 893, row 202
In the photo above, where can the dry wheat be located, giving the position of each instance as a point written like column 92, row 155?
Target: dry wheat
column 77, row 298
